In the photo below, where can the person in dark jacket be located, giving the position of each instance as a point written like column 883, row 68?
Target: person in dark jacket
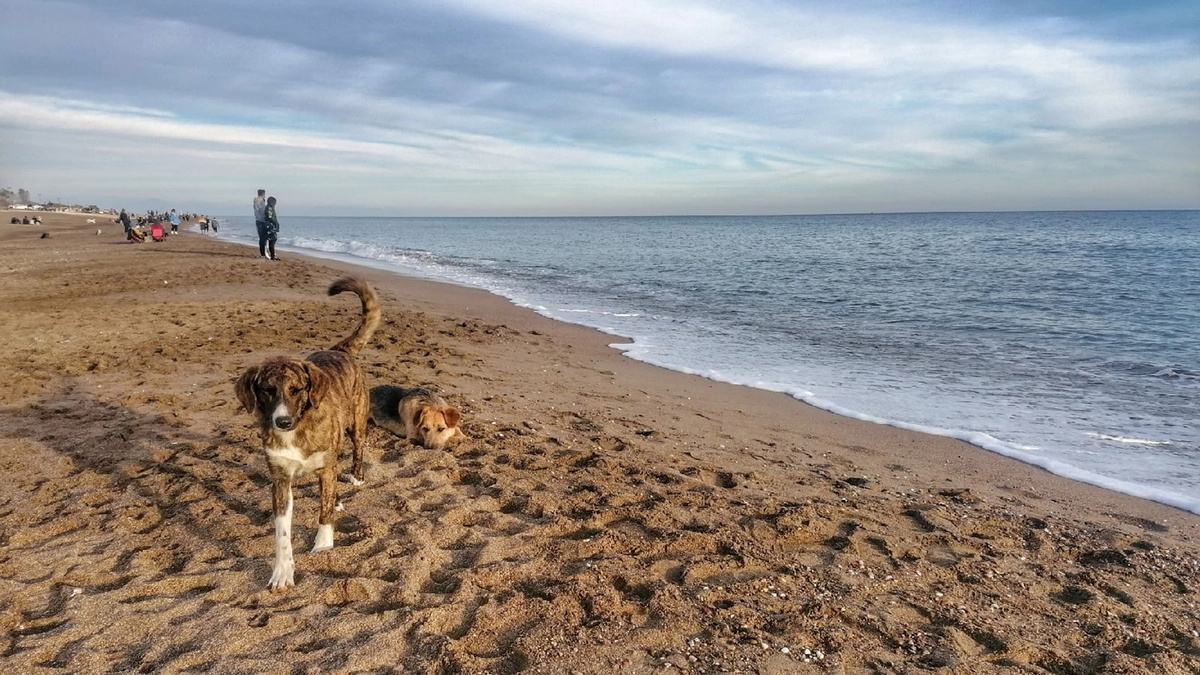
column 272, row 227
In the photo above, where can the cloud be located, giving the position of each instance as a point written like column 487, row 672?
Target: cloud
column 628, row 106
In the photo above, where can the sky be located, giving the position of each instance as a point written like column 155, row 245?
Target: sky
column 619, row 107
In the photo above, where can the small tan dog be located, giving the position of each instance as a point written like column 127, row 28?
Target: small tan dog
column 303, row 409
column 419, row 415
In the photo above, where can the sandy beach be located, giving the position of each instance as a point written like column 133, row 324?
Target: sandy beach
column 604, row 515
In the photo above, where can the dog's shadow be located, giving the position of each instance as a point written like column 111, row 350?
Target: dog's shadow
column 127, row 467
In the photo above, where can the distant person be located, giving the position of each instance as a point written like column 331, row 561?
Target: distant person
column 272, row 227
column 212, row 222
column 260, row 221
column 125, row 220
column 174, row 218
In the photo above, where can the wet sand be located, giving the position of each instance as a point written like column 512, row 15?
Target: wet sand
column 605, row 516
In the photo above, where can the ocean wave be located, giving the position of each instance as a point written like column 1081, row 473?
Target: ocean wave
column 361, row 249
column 413, row 262
column 1173, row 371
column 598, row 312
column 1121, row 439
column 1176, row 373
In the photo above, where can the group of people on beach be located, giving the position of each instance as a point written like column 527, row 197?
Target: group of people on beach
column 136, row 227
column 267, row 224
column 265, row 220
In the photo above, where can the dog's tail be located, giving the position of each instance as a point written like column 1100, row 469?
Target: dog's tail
column 353, row 344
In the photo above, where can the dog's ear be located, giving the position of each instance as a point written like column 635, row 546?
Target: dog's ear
column 416, row 416
column 452, row 416
column 245, row 389
column 318, row 384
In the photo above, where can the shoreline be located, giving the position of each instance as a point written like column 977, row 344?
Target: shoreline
column 604, row 515
column 1173, row 498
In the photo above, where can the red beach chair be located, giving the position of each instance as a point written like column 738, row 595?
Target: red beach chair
column 157, row 234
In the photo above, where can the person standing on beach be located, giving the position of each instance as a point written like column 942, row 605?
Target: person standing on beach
column 125, row 222
column 260, row 222
column 271, row 227
column 174, row 220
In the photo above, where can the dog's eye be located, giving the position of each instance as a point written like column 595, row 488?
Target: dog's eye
column 441, row 429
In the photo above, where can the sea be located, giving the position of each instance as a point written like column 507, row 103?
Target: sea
column 1067, row 340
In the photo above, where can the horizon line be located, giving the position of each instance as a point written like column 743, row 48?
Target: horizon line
column 755, row 215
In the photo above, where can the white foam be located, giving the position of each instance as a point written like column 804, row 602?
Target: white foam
column 1026, row 454
column 597, row 312
column 1131, row 441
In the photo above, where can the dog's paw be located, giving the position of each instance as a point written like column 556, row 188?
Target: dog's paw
column 354, row 481
column 339, row 507
column 283, row 576
column 324, row 540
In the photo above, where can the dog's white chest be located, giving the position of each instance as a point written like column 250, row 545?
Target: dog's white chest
column 290, row 459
